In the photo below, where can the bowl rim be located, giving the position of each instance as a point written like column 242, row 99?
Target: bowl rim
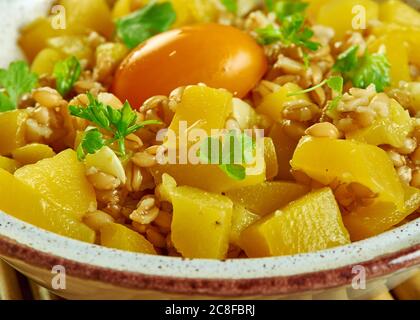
column 14, row 246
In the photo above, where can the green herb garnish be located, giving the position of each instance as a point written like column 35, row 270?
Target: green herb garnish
column 291, row 32
column 368, row 69
column 283, row 9
column 66, row 73
column 118, row 123
column 145, row 23
column 16, row 81
column 225, row 155
column 231, row 5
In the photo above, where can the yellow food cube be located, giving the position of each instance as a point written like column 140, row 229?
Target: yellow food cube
column 285, row 147
column 62, row 181
column 92, row 15
column 308, row 224
column 45, row 61
column 27, row 204
column 121, row 8
column 272, row 104
column 201, row 223
column 347, row 15
column 270, row 157
column 399, row 12
column 8, row 164
column 241, row 219
column 397, row 54
column 265, row 198
column 370, row 221
column 12, row 131
column 202, row 108
column 32, row 153
column 72, row 45
column 326, row 160
column 392, row 130
column 117, row 236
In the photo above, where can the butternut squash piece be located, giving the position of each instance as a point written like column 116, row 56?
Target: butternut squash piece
column 397, row 54
column 326, row 160
column 45, row 61
column 241, row 219
column 121, row 8
column 340, row 15
column 12, row 131
column 26, row 203
column 270, row 158
column 8, row 164
column 370, row 221
column 88, row 15
column 204, row 108
column 285, row 147
column 201, row 223
column 117, row 236
column 392, row 130
column 272, row 104
column 265, row 198
column 62, row 181
column 308, row 224
column 73, row 45
column 32, row 153
column 399, row 12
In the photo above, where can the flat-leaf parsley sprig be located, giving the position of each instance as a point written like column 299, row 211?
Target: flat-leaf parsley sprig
column 119, row 123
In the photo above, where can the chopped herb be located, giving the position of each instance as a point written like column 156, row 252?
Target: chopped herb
column 225, row 155
column 66, row 73
column 369, row 69
column 119, row 123
column 292, row 31
column 231, row 5
column 16, row 81
column 283, row 9
column 91, row 142
column 145, row 23
column 335, row 83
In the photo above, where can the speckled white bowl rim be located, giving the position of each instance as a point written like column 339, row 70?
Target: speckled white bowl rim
column 13, row 14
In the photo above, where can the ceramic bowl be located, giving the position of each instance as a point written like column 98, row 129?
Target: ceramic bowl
column 94, row 272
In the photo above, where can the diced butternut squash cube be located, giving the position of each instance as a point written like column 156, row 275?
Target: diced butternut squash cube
column 166, row 188
column 370, row 221
column 397, row 54
column 326, row 160
column 270, row 156
column 285, row 147
column 26, row 203
column 241, row 219
column 73, row 45
column 308, row 224
column 265, row 198
column 344, row 15
column 33, row 37
column 62, row 181
column 392, row 130
column 45, row 61
column 203, row 108
column 273, row 104
column 92, row 15
column 121, row 8
column 399, row 12
column 201, row 223
column 32, row 153
column 12, row 131
column 8, row 164
column 117, row 236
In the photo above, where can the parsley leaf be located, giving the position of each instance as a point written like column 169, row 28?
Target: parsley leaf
column 16, row 80
column 145, row 23
column 120, row 123
column 292, row 31
column 335, row 83
column 231, row 5
column 283, row 9
column 226, row 155
column 91, row 142
column 370, row 68
column 66, row 73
